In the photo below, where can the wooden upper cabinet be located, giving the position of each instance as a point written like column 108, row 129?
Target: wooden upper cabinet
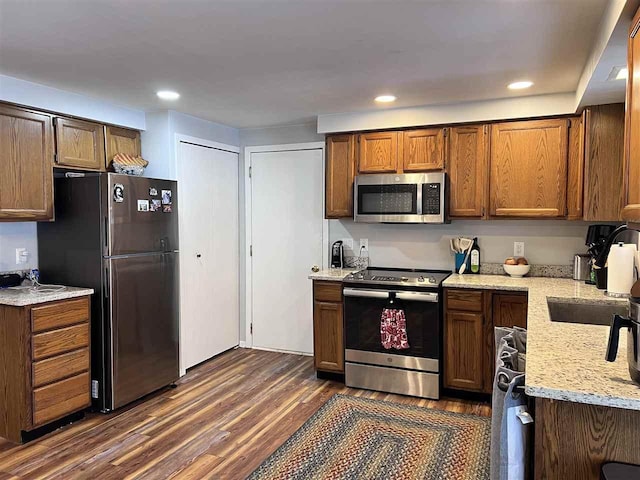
column 575, row 168
column 79, row 144
column 378, row 152
column 631, row 210
column 26, row 165
column 467, row 166
column 528, row 172
column 604, row 162
column 121, row 140
column 339, row 176
column 423, row 150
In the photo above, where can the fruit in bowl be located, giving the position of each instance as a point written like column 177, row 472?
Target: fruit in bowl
column 516, row 266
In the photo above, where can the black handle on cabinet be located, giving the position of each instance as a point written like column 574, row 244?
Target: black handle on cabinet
column 198, row 255
column 617, row 323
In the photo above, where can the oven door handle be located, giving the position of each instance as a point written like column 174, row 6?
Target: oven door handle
column 430, row 297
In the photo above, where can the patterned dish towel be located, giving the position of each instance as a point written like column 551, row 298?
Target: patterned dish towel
column 393, row 329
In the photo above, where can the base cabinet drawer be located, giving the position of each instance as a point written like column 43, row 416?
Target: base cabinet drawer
column 61, row 398
column 60, row 341
column 60, row 314
column 59, row 367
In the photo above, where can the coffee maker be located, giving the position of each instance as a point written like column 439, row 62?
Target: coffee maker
column 337, row 254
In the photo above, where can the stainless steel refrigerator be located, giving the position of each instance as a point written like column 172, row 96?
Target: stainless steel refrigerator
column 118, row 234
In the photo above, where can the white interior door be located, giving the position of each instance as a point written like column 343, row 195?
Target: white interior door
column 209, row 303
column 287, row 218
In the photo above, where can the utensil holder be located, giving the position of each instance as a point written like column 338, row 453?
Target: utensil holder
column 460, row 261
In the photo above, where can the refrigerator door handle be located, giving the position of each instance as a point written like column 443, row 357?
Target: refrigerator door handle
column 106, row 281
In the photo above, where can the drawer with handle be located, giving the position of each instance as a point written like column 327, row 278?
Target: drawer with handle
column 59, row 341
column 61, row 398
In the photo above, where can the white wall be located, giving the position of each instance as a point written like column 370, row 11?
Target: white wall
column 480, row 111
column 42, row 97
column 18, row 235
column 158, row 140
column 547, row 242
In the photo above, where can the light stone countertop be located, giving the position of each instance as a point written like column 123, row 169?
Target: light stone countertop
column 24, row 296
column 565, row 361
column 332, row 274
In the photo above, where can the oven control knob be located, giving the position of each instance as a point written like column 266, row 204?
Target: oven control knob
column 432, row 279
column 421, row 278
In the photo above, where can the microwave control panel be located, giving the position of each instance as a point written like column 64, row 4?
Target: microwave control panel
column 431, row 199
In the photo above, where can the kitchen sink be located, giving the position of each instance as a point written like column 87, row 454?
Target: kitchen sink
column 585, row 313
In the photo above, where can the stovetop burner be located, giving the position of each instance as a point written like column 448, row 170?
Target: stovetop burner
column 398, row 276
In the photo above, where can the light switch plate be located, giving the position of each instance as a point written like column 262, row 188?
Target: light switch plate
column 364, row 242
column 518, row 249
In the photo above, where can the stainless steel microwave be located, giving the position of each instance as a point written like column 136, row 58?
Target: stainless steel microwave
column 400, row 198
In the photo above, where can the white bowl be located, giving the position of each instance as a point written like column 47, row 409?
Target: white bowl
column 516, row 271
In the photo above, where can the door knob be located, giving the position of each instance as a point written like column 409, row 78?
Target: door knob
column 315, row 269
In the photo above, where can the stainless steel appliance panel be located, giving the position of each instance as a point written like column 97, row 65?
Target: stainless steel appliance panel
column 393, row 380
column 391, row 360
column 132, row 229
column 143, row 320
column 400, row 198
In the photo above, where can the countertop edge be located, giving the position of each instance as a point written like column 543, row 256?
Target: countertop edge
column 36, row 299
column 582, row 397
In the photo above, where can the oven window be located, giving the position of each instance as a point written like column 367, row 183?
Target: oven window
column 387, row 199
column 362, row 326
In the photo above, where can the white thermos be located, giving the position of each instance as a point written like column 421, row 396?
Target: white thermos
column 620, row 264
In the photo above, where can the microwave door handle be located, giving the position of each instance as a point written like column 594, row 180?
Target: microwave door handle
column 419, row 198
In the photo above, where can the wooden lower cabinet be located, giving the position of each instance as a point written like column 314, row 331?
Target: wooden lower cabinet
column 463, row 352
column 328, row 327
column 44, row 364
column 469, row 346
column 574, row 440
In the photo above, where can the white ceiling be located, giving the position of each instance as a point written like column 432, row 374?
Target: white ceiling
column 249, row 63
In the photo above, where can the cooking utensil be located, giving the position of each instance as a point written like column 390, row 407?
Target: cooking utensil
column 466, row 245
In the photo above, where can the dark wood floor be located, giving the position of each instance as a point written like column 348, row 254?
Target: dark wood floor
column 223, row 420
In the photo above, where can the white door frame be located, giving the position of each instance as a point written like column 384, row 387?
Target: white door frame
column 248, row 343
column 178, row 139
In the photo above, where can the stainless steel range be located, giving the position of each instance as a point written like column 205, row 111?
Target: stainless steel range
column 393, row 330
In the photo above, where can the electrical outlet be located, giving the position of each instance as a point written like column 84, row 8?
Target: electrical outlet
column 518, row 249
column 364, row 242
column 21, row 255
column 348, row 243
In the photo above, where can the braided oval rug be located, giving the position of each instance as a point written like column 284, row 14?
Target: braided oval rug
column 354, row 438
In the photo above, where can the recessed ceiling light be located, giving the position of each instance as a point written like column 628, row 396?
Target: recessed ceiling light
column 519, row 85
column 618, row 73
column 168, row 95
column 385, row 98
